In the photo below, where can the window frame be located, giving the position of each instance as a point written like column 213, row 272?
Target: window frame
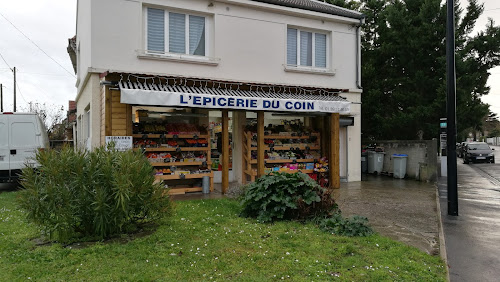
column 166, row 44
column 313, row 68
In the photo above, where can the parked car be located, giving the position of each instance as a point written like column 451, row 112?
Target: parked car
column 21, row 135
column 478, row 152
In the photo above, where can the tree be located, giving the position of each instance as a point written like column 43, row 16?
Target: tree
column 52, row 116
column 404, row 67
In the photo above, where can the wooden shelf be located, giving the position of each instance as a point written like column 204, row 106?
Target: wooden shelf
column 170, row 136
column 182, row 191
column 249, row 164
column 185, row 186
column 186, row 176
column 297, row 170
column 169, row 149
column 178, row 163
column 283, row 161
column 287, row 148
column 289, row 137
column 254, row 172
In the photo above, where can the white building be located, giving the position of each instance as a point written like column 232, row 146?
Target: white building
column 299, row 45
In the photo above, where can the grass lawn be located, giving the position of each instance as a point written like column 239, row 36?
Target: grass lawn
column 206, row 240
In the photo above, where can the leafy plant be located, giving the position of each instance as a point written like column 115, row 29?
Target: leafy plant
column 286, row 196
column 94, row 194
column 354, row 226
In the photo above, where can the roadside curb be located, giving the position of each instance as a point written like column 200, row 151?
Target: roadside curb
column 442, row 243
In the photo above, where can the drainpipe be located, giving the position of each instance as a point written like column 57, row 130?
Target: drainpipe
column 358, row 54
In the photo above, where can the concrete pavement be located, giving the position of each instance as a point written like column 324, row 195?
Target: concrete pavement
column 404, row 210
column 473, row 237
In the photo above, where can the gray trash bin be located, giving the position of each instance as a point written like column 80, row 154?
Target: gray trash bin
column 399, row 161
column 364, row 162
column 205, row 184
column 375, row 162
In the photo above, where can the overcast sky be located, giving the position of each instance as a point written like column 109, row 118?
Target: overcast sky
column 49, row 24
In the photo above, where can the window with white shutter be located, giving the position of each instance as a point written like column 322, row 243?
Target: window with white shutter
column 306, row 48
column 176, row 33
column 291, row 46
column 171, row 32
column 156, row 30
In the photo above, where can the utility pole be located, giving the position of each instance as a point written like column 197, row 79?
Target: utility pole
column 1, row 98
column 14, row 70
column 451, row 109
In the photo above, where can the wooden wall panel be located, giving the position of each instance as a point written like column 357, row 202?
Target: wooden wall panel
column 120, row 115
column 260, row 144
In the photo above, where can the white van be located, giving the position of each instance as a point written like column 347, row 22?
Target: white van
column 21, row 135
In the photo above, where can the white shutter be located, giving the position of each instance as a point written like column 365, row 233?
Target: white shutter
column 177, row 33
column 305, row 48
column 291, row 46
column 320, row 50
column 156, row 30
column 196, row 35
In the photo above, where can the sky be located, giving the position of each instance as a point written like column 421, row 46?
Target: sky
column 45, row 74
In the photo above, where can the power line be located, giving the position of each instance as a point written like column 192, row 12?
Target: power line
column 37, row 47
column 19, row 89
column 5, row 61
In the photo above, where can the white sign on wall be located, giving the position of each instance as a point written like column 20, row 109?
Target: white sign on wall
column 122, row 143
column 200, row 100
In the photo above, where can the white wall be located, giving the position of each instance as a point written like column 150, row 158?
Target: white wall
column 89, row 99
column 83, row 40
column 250, row 43
column 354, row 139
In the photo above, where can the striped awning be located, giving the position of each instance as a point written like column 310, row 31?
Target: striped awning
column 266, row 98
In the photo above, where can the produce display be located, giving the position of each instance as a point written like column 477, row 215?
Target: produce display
column 169, row 143
column 289, row 148
column 321, row 165
column 178, row 152
column 286, row 128
column 173, row 171
column 289, row 167
column 168, row 128
column 288, row 155
column 165, row 157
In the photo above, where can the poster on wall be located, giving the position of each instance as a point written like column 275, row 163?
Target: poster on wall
column 122, row 143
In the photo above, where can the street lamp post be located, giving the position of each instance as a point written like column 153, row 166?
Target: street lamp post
column 451, row 106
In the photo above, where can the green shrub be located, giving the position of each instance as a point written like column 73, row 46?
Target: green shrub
column 354, row 226
column 286, row 196
column 94, row 194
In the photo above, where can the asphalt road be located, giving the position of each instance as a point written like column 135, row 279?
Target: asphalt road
column 473, row 237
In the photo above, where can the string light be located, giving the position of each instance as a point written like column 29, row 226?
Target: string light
column 167, row 83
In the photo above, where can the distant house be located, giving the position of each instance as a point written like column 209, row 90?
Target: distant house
column 135, row 55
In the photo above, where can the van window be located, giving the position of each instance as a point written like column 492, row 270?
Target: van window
column 3, row 137
column 23, row 134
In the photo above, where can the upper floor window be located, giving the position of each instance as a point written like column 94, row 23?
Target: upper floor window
column 306, row 48
column 175, row 33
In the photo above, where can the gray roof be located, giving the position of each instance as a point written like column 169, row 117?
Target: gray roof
column 316, row 6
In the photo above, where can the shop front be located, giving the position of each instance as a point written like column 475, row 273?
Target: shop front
column 196, row 132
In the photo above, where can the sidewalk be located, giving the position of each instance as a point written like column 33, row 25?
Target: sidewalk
column 472, row 238
column 404, row 210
